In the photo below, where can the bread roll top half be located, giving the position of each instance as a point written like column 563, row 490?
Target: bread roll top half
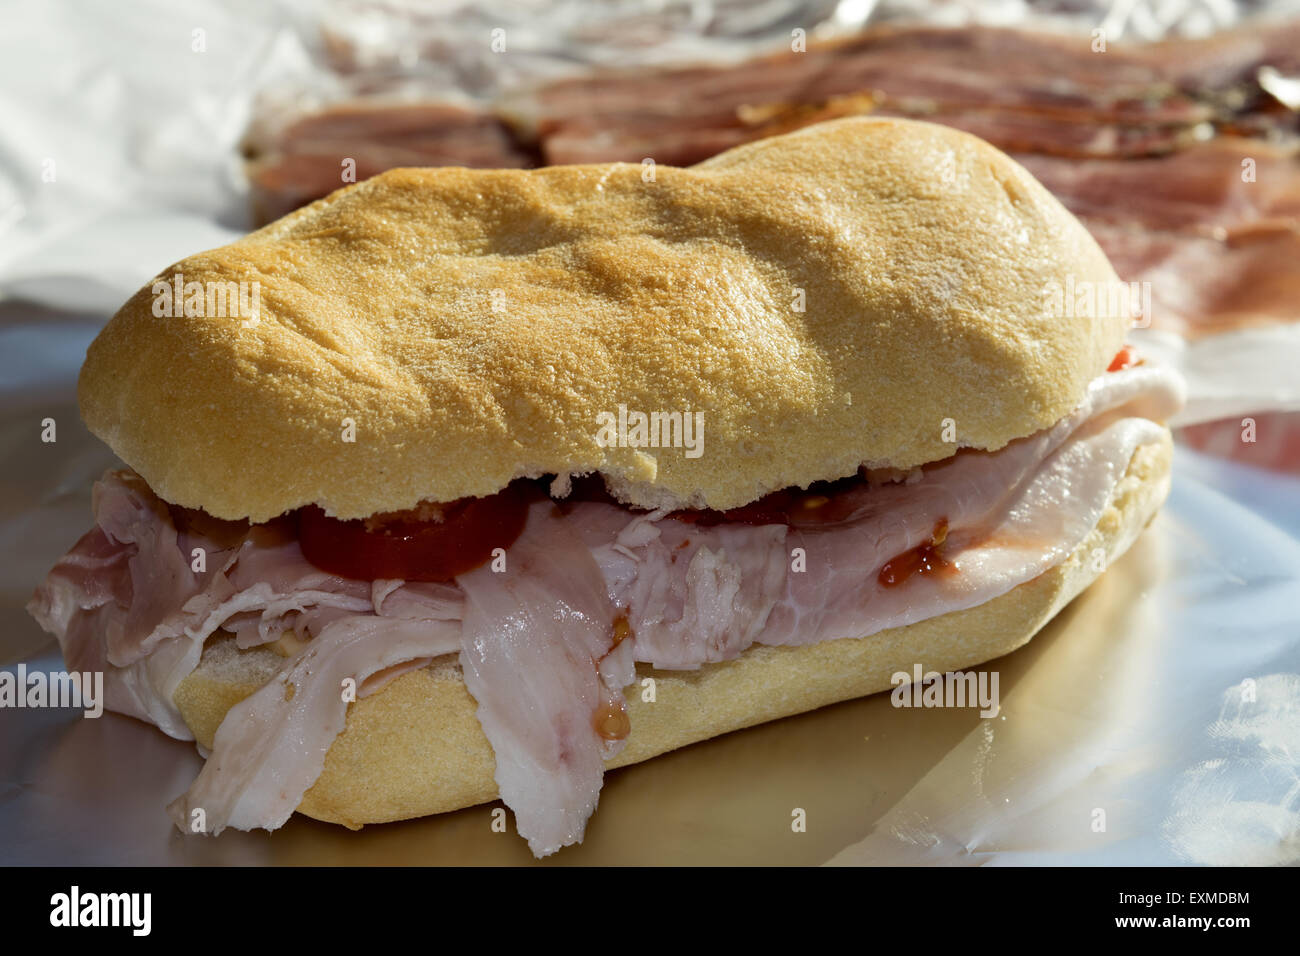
column 808, row 304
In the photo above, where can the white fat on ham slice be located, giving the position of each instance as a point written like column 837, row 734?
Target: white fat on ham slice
column 536, row 657
column 421, row 600
column 271, row 746
column 695, row 594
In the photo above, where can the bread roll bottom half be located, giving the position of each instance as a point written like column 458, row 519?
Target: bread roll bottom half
column 416, row 747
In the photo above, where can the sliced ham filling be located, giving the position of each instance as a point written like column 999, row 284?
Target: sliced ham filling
column 546, row 616
column 548, row 642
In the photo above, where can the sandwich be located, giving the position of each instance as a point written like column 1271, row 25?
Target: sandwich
column 459, row 485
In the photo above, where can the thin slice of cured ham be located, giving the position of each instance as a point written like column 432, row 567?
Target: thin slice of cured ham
column 535, row 637
column 700, row 594
column 271, row 746
column 127, row 601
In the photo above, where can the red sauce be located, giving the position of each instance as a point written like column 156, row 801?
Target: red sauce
column 622, row 631
column 611, row 721
column 1126, row 357
column 923, row 559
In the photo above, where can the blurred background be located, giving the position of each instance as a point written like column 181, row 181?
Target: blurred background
column 134, row 134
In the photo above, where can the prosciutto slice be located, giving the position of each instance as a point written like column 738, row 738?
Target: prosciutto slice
column 702, row 594
column 535, row 638
column 548, row 642
column 1010, row 516
column 127, row 601
column 271, row 746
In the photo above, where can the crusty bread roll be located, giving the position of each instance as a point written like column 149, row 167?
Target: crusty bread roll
column 416, row 747
column 826, row 299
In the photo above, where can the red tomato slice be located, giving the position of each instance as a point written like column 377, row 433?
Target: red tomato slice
column 431, row 543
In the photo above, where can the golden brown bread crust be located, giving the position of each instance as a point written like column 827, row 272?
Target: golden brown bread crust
column 473, row 323
column 416, row 747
